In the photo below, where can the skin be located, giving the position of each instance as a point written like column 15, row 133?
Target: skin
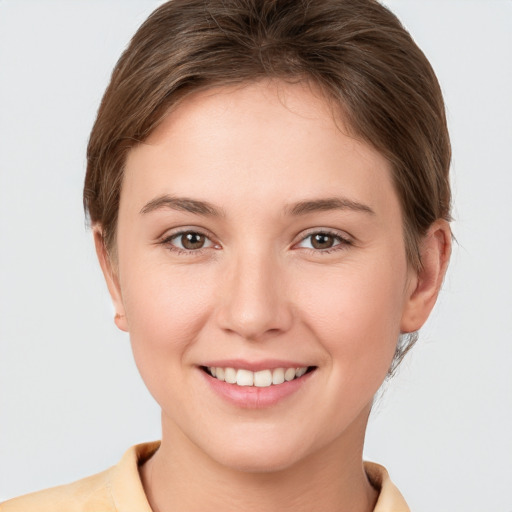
column 259, row 289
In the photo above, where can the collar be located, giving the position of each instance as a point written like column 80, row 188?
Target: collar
column 128, row 493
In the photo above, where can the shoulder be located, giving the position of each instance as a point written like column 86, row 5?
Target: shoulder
column 89, row 494
column 390, row 499
column 117, row 488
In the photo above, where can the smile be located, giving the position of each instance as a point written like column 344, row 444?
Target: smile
column 259, row 379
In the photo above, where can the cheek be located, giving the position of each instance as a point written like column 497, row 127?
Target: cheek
column 165, row 312
column 355, row 313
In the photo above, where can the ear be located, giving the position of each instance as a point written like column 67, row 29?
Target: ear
column 111, row 278
column 435, row 250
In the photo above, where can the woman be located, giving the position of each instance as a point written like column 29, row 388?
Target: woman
column 268, row 189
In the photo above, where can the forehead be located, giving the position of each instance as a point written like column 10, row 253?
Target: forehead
column 252, row 102
column 263, row 140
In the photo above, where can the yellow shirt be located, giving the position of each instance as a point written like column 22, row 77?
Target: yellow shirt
column 119, row 489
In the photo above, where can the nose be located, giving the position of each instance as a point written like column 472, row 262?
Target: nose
column 253, row 300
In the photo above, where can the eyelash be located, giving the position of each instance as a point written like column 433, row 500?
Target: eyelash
column 167, row 241
column 342, row 242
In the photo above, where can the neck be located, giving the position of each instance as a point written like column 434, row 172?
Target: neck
column 181, row 477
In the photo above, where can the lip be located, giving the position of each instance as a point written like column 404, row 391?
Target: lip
column 252, row 397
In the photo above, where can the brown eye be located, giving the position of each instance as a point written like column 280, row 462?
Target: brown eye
column 188, row 241
column 322, row 241
column 191, row 240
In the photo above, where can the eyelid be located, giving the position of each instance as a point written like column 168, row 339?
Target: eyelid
column 170, row 234
column 328, row 231
column 344, row 239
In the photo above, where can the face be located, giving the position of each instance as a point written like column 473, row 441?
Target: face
column 258, row 243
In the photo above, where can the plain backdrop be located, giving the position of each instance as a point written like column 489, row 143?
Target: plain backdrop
column 71, row 400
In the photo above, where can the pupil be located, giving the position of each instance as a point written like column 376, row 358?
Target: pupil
column 193, row 240
column 322, row 241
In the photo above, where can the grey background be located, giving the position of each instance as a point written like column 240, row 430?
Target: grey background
column 71, row 400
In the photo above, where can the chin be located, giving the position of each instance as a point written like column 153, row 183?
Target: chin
column 258, row 461
column 265, row 453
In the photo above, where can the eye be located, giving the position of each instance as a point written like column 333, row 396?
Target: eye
column 323, row 241
column 188, row 241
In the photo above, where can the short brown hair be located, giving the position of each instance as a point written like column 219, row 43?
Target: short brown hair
column 356, row 51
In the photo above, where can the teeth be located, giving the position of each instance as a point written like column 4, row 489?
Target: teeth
column 278, row 376
column 230, row 375
column 300, row 372
column 289, row 374
column 244, row 378
column 261, row 379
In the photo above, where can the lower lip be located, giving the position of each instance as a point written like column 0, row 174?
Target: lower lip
column 252, row 397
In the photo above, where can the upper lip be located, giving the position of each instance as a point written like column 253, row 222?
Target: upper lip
column 254, row 366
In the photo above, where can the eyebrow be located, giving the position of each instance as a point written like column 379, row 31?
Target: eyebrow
column 183, row 204
column 206, row 209
column 331, row 203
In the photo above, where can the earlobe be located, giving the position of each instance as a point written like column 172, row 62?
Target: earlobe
column 120, row 321
column 111, row 279
column 435, row 252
